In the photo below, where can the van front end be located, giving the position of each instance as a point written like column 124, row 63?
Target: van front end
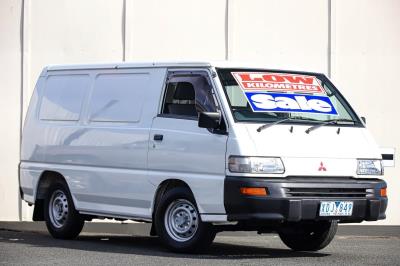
column 299, row 160
column 301, row 181
column 304, row 210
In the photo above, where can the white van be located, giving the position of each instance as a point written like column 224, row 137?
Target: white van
column 197, row 148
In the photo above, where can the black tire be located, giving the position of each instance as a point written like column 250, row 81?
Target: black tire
column 70, row 223
column 310, row 236
column 191, row 242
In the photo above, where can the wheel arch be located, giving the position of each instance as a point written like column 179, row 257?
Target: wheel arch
column 162, row 188
column 46, row 178
column 165, row 186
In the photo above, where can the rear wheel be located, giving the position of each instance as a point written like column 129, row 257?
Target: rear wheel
column 178, row 222
column 62, row 220
column 311, row 236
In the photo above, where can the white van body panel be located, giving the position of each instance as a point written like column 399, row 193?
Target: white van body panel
column 104, row 162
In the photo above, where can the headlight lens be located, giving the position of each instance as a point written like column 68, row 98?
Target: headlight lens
column 369, row 167
column 256, row 165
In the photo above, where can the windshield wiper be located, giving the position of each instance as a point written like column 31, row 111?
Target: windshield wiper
column 329, row 122
column 273, row 124
column 293, row 118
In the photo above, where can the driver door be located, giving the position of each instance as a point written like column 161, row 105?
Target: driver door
column 179, row 149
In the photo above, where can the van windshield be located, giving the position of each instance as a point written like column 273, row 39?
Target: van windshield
column 263, row 96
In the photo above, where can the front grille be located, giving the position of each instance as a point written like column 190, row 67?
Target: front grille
column 329, row 192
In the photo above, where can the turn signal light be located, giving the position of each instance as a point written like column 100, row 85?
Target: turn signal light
column 383, row 192
column 253, row 191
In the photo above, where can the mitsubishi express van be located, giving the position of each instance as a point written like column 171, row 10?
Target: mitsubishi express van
column 197, row 148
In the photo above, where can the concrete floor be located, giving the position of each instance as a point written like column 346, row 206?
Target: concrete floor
column 29, row 244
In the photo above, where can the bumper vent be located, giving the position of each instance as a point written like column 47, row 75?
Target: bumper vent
column 329, row 192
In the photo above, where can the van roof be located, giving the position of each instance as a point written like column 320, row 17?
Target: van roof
column 130, row 65
column 177, row 64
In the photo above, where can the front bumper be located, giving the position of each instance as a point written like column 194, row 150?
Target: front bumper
column 298, row 198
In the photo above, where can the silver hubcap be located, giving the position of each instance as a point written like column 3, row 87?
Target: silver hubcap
column 181, row 220
column 58, row 208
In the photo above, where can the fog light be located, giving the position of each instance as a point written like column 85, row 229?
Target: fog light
column 383, row 192
column 253, row 191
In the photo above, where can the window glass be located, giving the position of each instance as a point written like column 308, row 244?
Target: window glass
column 118, row 97
column 235, row 95
column 269, row 94
column 187, row 94
column 63, row 97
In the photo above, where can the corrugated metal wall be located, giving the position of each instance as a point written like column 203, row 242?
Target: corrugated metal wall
column 356, row 42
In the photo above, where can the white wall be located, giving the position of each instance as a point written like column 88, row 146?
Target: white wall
column 175, row 29
column 10, row 91
column 357, row 41
column 282, row 34
column 366, row 66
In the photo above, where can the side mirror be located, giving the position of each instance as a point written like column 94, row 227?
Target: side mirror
column 364, row 119
column 209, row 120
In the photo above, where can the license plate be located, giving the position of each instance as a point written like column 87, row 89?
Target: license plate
column 336, row 208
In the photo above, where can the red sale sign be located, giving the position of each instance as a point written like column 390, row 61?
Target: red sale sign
column 277, row 82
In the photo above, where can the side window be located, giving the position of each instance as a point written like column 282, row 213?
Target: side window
column 63, row 97
column 118, row 97
column 188, row 94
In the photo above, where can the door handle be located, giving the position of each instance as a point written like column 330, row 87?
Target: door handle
column 158, row 137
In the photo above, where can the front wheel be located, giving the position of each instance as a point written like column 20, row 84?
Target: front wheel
column 62, row 220
column 178, row 222
column 310, row 236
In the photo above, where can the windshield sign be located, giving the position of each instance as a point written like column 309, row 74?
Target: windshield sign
column 267, row 96
column 298, row 93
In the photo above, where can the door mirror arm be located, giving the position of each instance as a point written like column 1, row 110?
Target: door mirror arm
column 364, row 119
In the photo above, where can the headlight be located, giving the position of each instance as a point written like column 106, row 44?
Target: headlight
column 369, row 167
column 256, row 165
